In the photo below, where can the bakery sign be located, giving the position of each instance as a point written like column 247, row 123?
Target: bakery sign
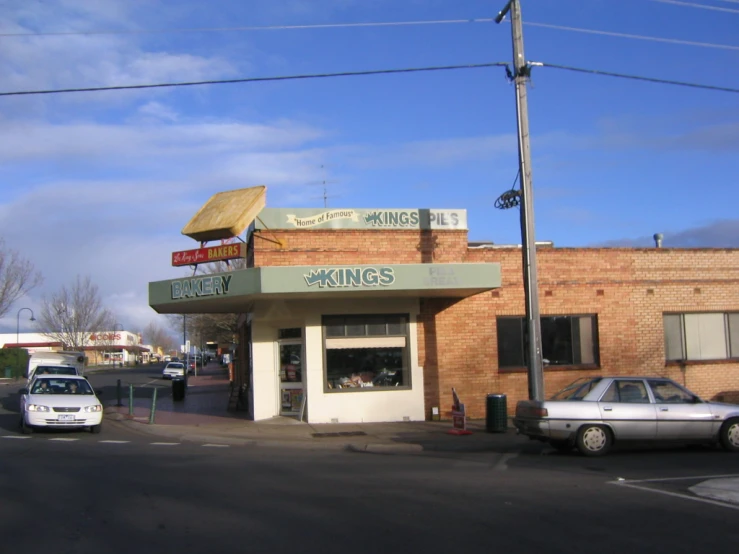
column 209, row 254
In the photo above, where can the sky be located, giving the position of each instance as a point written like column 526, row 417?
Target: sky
column 102, row 183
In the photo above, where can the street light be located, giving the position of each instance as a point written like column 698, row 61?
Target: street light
column 18, row 335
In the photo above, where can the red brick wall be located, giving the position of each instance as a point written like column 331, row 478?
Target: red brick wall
column 628, row 290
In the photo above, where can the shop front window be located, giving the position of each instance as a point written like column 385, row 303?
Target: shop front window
column 366, row 352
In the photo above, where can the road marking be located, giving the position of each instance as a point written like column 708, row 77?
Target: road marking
column 115, row 442
column 14, row 437
column 217, row 445
column 164, row 443
column 677, row 495
column 64, row 440
column 660, row 479
column 502, row 464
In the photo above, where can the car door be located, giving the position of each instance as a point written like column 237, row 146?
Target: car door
column 680, row 414
column 627, row 408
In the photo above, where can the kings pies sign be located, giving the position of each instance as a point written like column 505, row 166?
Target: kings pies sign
column 209, row 254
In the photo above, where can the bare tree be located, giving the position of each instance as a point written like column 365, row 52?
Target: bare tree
column 72, row 313
column 158, row 337
column 17, row 277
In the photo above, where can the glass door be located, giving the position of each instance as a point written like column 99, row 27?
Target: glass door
column 292, row 390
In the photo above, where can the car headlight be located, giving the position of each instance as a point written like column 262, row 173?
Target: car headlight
column 95, row 408
column 37, row 408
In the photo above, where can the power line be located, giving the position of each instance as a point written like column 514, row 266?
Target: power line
column 694, row 5
column 378, row 24
column 636, row 37
column 253, row 28
column 257, row 79
column 639, row 77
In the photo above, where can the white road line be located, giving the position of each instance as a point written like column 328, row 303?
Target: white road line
column 217, row 445
column 115, row 442
column 660, row 479
column 14, row 437
column 64, row 440
column 503, row 462
column 676, row 494
column 164, row 443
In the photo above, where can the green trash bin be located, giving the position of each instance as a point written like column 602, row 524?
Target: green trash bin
column 496, row 413
column 8, row 372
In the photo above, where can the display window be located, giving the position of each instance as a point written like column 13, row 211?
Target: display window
column 366, row 352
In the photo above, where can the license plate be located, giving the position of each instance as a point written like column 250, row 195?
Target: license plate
column 69, row 417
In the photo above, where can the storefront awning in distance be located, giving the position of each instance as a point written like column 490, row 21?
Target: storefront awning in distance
column 233, row 292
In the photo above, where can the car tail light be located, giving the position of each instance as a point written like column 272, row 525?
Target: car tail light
column 539, row 412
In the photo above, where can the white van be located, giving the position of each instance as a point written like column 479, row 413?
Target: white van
column 56, row 363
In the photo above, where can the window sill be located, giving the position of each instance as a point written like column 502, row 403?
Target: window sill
column 552, row 368
column 679, row 363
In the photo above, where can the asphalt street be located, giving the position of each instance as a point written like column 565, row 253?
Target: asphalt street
column 121, row 491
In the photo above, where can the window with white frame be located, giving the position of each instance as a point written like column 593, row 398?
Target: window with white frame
column 366, row 352
column 701, row 336
column 567, row 340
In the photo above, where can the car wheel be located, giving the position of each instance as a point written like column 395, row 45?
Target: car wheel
column 95, row 429
column 25, row 428
column 561, row 446
column 729, row 435
column 593, row 440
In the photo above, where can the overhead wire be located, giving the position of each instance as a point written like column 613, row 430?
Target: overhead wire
column 639, row 77
column 373, row 72
column 256, row 79
column 376, row 24
column 694, row 5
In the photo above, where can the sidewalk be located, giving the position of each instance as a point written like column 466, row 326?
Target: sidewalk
column 202, row 417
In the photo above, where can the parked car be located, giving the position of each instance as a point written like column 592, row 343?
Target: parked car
column 173, row 369
column 60, row 401
column 593, row 413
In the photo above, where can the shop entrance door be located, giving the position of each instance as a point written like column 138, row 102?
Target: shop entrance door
column 291, row 374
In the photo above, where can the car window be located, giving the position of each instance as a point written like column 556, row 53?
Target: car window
column 577, row 390
column 667, row 392
column 626, row 391
column 61, row 386
column 55, row 370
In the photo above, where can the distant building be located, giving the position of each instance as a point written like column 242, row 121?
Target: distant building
column 102, row 348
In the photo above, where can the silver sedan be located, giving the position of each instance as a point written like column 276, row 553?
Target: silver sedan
column 593, row 413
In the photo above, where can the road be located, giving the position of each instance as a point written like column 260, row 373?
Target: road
column 121, row 492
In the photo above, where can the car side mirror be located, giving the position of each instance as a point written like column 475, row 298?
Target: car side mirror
column 23, row 391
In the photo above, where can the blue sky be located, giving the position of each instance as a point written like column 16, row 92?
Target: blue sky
column 102, row 183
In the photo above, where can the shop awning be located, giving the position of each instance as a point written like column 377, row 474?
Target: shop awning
column 234, row 292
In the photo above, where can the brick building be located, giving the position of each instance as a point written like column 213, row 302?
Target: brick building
column 375, row 315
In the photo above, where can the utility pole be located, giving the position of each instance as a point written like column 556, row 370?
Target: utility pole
column 521, row 74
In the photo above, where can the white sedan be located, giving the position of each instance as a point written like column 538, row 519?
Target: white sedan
column 173, row 370
column 60, row 401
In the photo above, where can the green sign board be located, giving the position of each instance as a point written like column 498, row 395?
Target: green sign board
column 456, row 280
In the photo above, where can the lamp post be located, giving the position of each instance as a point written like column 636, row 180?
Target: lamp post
column 115, row 326
column 18, row 335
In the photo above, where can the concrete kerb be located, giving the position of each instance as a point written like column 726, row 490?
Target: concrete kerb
column 388, row 443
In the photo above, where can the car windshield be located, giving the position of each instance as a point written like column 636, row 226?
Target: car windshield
column 55, row 370
column 61, row 386
column 577, row 390
column 175, row 366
